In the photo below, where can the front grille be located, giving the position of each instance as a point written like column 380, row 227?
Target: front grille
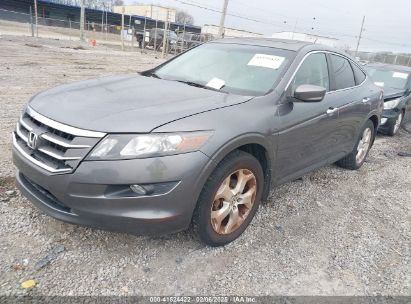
column 57, row 148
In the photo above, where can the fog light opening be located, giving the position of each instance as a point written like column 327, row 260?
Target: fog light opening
column 383, row 120
column 140, row 190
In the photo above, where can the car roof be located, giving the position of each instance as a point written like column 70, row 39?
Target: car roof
column 285, row 44
column 386, row 66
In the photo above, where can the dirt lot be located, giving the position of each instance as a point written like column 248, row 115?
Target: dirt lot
column 335, row 232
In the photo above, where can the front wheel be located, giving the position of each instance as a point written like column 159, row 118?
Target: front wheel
column 356, row 158
column 229, row 199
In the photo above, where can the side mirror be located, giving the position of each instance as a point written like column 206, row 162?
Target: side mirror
column 310, row 93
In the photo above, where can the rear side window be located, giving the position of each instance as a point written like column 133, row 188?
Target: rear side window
column 314, row 71
column 343, row 74
column 359, row 75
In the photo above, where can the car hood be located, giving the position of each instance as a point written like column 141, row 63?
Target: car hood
column 390, row 93
column 131, row 103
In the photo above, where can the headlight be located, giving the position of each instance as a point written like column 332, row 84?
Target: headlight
column 127, row 146
column 388, row 105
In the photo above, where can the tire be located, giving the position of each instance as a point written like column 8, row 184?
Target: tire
column 351, row 161
column 394, row 126
column 216, row 230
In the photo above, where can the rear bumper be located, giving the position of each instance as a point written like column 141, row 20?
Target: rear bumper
column 97, row 194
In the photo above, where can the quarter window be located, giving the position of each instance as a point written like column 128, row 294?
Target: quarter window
column 343, row 73
column 359, row 75
column 314, row 71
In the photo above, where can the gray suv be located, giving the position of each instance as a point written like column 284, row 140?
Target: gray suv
column 199, row 140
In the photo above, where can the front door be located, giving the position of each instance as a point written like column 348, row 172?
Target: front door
column 307, row 128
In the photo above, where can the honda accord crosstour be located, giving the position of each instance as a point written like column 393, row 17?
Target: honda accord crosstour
column 198, row 141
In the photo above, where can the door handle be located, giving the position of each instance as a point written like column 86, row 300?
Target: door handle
column 365, row 100
column 331, row 111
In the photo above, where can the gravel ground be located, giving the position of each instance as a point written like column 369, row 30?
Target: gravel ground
column 335, row 232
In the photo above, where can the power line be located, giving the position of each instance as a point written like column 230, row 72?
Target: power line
column 282, row 24
column 228, row 14
column 253, row 19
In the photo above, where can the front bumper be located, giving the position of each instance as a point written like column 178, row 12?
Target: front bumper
column 92, row 194
column 388, row 118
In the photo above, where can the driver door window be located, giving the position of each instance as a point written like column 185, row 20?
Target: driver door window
column 314, row 71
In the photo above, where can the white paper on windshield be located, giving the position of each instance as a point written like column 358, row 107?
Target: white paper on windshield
column 400, row 75
column 215, row 83
column 380, row 84
column 266, row 61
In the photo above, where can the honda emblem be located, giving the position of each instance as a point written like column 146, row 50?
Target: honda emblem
column 32, row 140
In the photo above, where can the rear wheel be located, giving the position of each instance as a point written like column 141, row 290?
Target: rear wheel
column 395, row 126
column 356, row 158
column 229, row 199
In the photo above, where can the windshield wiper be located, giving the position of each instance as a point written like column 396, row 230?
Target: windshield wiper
column 199, row 85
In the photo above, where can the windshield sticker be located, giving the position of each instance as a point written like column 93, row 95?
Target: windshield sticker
column 266, row 61
column 216, row 83
column 380, row 84
column 400, row 75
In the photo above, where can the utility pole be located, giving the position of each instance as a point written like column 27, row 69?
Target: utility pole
column 36, row 17
column 82, row 20
column 222, row 20
column 359, row 36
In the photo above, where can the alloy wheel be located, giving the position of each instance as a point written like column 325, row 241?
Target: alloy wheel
column 233, row 201
column 363, row 145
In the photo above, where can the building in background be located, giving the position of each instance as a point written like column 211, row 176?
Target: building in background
column 329, row 41
column 150, row 11
column 228, row 32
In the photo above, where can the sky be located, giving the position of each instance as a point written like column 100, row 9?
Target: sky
column 387, row 22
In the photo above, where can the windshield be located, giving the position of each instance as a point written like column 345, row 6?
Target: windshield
column 231, row 68
column 387, row 78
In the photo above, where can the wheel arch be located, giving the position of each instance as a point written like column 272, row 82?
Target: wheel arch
column 254, row 144
column 376, row 121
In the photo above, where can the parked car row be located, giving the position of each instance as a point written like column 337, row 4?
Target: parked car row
column 198, row 141
column 156, row 37
column 175, row 41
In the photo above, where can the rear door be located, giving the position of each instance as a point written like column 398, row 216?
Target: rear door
column 352, row 98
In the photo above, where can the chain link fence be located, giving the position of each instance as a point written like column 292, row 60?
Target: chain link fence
column 131, row 35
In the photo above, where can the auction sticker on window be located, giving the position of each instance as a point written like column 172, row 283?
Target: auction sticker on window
column 216, row 83
column 266, row 61
column 400, row 75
